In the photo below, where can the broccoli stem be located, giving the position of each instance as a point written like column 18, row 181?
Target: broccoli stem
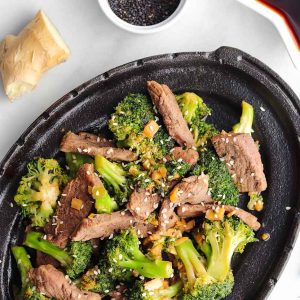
column 219, row 261
column 171, row 291
column 191, row 260
column 148, row 268
column 111, row 172
column 246, row 120
column 103, row 202
column 23, row 263
column 35, row 240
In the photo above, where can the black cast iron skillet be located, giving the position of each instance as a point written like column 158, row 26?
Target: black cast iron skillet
column 223, row 78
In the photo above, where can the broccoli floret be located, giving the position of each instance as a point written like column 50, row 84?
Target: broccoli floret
column 28, row 290
column 151, row 149
column 256, row 201
column 223, row 239
column 156, row 289
column 97, row 279
column 131, row 115
column 192, row 106
column 164, row 141
column 245, row 124
column 128, row 122
column 198, row 283
column 202, row 132
column 177, row 168
column 39, row 190
column 103, row 202
column 221, row 185
column 123, row 255
column 114, row 176
column 139, row 176
column 75, row 161
column 194, row 111
column 75, row 259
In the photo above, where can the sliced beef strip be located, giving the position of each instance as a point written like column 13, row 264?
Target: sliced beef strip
column 104, row 225
column 191, row 211
column 165, row 101
column 51, row 282
column 193, row 189
column 144, row 229
column 101, row 141
column 67, row 218
column 189, row 156
column 142, row 203
column 72, row 142
column 167, row 217
column 242, row 159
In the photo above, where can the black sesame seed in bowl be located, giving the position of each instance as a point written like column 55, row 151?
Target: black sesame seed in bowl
column 142, row 16
column 143, row 12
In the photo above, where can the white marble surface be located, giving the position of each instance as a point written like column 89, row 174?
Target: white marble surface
column 97, row 46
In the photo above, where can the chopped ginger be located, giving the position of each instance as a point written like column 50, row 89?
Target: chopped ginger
column 173, row 195
column 150, row 129
column 259, row 205
column 215, row 214
column 76, row 203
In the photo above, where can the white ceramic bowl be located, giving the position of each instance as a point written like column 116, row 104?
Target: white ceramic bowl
column 141, row 29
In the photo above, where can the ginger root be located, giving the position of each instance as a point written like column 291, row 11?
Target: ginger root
column 24, row 58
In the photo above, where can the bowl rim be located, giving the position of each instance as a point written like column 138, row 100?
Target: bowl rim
column 106, row 9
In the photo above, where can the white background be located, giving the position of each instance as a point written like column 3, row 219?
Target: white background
column 97, row 46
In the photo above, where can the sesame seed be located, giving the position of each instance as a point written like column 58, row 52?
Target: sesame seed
column 11, row 204
column 234, row 139
column 137, row 209
column 111, row 236
column 252, row 174
column 110, row 270
column 88, row 172
column 122, row 213
column 183, row 209
column 64, row 195
column 262, row 109
column 288, row 208
column 110, row 151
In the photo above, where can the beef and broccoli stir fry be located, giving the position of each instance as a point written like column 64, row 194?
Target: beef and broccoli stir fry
column 151, row 214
